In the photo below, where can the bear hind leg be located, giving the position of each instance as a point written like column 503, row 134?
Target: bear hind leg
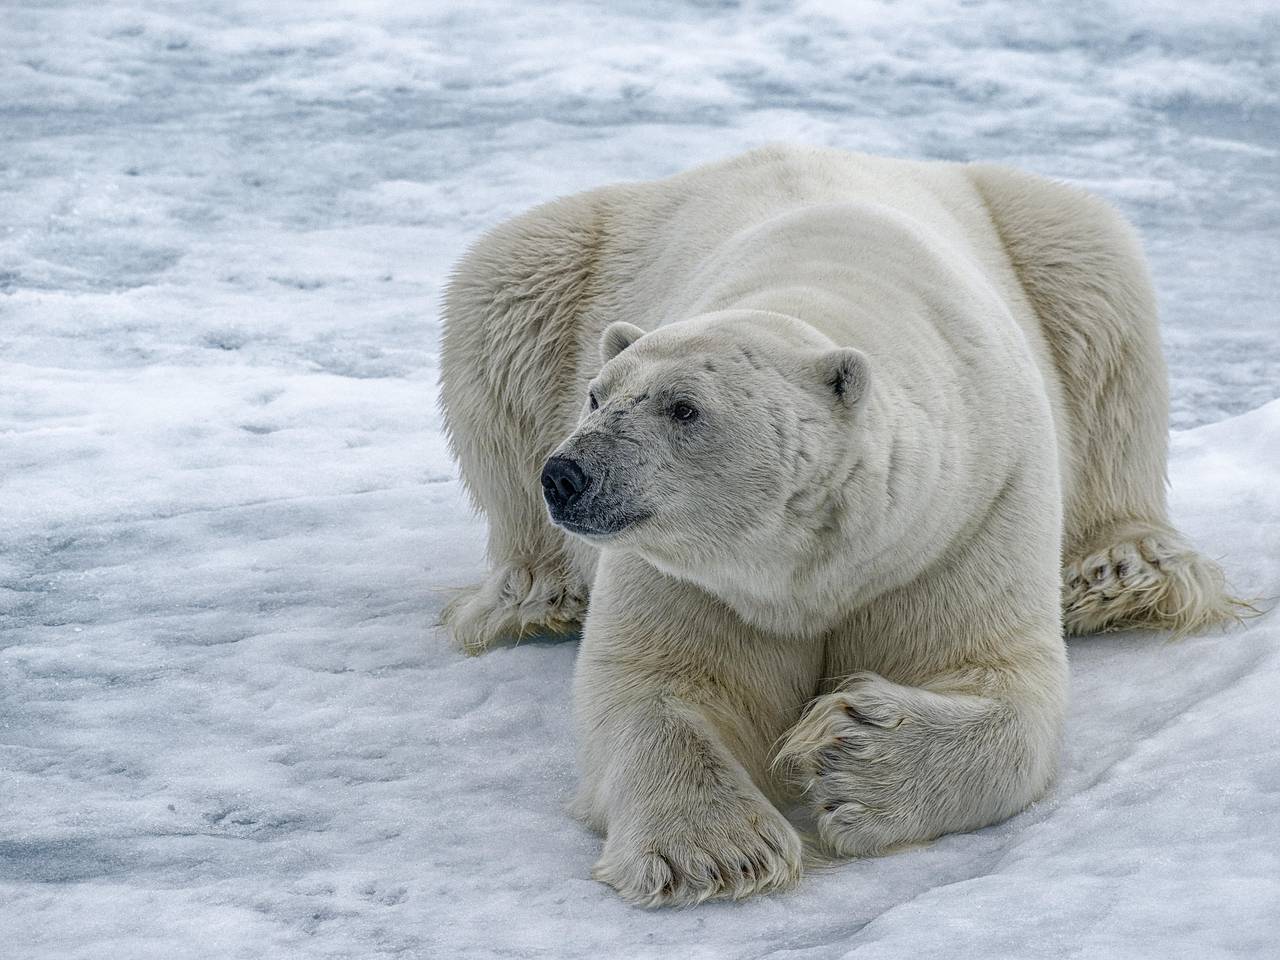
column 1083, row 272
column 514, row 332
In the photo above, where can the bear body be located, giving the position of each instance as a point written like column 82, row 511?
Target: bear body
column 832, row 444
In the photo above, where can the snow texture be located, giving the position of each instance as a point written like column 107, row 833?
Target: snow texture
column 228, row 519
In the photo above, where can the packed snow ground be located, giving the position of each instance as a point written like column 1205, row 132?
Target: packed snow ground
column 228, row 520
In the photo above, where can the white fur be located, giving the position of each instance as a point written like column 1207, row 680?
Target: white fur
column 915, row 385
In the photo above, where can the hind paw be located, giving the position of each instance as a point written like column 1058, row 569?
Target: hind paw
column 1133, row 565
column 1156, row 580
column 515, row 601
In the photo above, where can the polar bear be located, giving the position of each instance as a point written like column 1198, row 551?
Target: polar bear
column 835, row 445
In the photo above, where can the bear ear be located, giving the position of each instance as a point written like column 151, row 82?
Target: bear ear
column 617, row 337
column 846, row 372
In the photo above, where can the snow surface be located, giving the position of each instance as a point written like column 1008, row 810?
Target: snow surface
column 228, row 520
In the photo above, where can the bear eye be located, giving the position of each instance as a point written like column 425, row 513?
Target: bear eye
column 591, row 398
column 683, row 412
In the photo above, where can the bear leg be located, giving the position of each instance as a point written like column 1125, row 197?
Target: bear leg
column 883, row 765
column 676, row 704
column 684, row 822
column 512, row 383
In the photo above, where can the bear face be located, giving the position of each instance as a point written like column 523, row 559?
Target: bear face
column 707, row 437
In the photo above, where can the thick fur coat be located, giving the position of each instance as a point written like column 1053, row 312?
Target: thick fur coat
column 825, row 448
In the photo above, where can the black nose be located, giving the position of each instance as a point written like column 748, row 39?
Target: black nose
column 563, row 482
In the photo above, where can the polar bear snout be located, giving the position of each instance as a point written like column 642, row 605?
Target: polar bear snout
column 580, row 502
column 563, row 483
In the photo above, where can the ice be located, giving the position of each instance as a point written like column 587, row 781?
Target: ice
column 228, row 520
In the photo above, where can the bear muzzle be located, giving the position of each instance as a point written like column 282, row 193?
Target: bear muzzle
column 574, row 500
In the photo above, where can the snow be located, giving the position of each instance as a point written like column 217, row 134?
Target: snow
column 228, row 520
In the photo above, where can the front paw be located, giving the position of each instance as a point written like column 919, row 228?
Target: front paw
column 858, row 755
column 683, row 859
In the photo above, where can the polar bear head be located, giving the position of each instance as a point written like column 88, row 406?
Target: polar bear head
column 710, row 438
